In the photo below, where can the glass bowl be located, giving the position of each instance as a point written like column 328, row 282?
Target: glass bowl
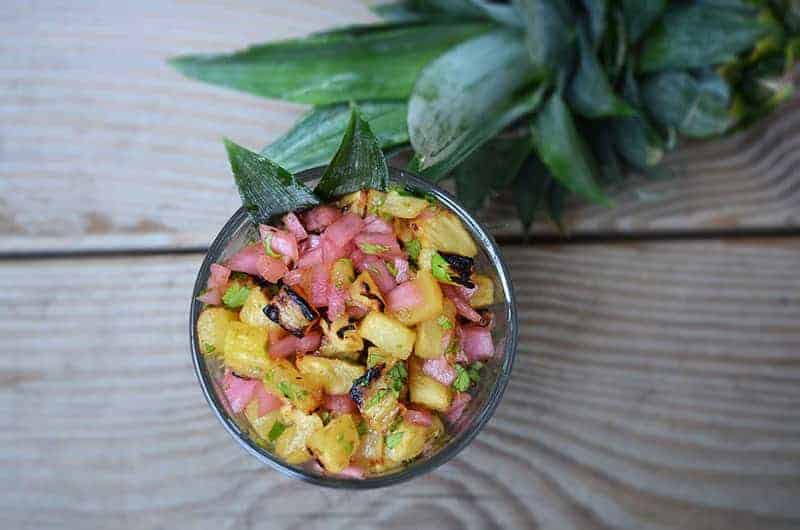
column 239, row 231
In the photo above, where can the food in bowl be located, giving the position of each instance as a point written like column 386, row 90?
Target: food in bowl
column 353, row 333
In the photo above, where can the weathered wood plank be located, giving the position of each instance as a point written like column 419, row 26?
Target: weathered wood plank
column 657, row 386
column 102, row 146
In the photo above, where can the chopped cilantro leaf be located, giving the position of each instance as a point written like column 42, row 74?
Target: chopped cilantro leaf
column 393, row 439
column 412, row 248
column 397, row 376
column 440, row 269
column 444, row 322
column 362, row 428
column 391, row 267
column 268, row 246
column 210, row 348
column 475, row 371
column 235, row 296
column 377, row 397
column 369, row 248
column 238, row 276
column 286, row 389
column 276, row 430
column 325, row 416
column 462, row 381
column 374, row 358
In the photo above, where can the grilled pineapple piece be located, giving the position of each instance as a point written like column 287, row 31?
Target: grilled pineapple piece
column 283, row 379
column 212, row 325
column 332, row 375
column 375, row 200
column 444, row 231
column 370, row 449
column 262, row 425
column 365, row 294
column 425, row 390
column 291, row 311
column 376, row 393
column 431, row 305
column 405, row 442
column 246, row 350
column 292, row 444
column 431, row 334
column 403, row 206
column 252, row 312
column 484, row 295
column 388, row 334
column 340, row 339
column 355, row 202
column 335, row 443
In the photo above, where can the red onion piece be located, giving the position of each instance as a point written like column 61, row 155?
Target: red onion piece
column 246, row 260
column 319, row 217
column 293, row 225
column 476, row 342
column 440, row 369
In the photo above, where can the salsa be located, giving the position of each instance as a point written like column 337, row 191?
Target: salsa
column 352, row 333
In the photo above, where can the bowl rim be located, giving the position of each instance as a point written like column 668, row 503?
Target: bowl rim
column 450, row 449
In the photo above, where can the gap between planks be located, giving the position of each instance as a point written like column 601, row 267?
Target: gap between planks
column 594, row 238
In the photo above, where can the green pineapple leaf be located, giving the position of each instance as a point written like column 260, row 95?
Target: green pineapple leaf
column 315, row 138
column 332, row 68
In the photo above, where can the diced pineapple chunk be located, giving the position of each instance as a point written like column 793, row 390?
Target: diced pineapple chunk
column 342, row 273
column 388, row 334
column 431, row 334
column 380, row 408
column 405, row 442
column 445, row 232
column 484, row 295
column 376, row 356
column 292, row 444
column 431, row 305
column 402, row 230
column 426, row 253
column 212, row 325
column 425, row 390
column 333, row 375
column 283, row 379
column 355, row 202
column 370, row 448
column 340, row 339
column 375, row 200
column 335, row 443
column 252, row 312
column 262, row 425
column 246, row 350
column 365, row 294
column 403, row 206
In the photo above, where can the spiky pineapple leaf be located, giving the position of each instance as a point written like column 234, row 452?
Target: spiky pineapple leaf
column 634, row 138
column 548, row 31
column 358, row 163
column 530, row 190
column 640, row 15
column 696, row 36
column 491, row 167
column 563, row 151
column 457, row 9
column 698, row 105
column 334, row 67
column 467, row 96
column 315, row 138
column 597, row 13
column 589, row 92
column 266, row 188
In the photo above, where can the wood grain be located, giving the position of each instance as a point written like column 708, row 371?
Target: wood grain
column 657, row 386
column 102, row 146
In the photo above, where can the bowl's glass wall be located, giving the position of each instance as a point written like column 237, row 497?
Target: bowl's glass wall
column 239, row 231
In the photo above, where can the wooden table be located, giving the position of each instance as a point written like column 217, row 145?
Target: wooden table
column 658, row 375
